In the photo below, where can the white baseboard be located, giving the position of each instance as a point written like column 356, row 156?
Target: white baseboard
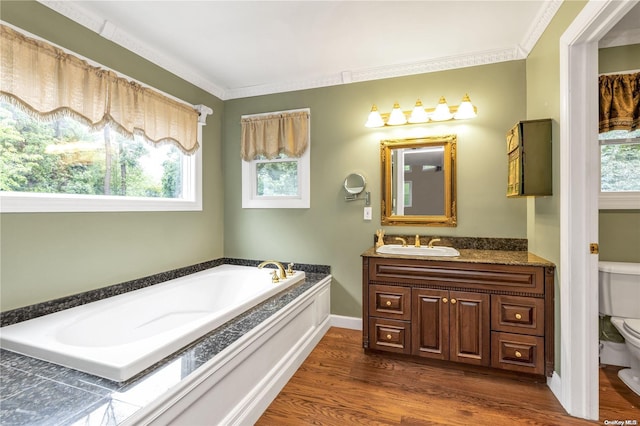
column 352, row 323
column 555, row 384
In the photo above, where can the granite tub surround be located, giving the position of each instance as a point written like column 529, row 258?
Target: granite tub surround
column 36, row 392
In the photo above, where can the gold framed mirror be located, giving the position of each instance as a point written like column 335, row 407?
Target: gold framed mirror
column 419, row 181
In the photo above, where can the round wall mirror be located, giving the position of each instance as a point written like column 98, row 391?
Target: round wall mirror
column 354, row 183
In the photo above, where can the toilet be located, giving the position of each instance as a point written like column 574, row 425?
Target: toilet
column 619, row 297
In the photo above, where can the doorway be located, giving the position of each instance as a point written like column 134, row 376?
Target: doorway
column 578, row 390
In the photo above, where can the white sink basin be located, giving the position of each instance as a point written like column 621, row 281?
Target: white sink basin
column 418, row 251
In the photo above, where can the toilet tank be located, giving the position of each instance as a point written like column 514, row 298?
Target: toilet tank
column 619, row 289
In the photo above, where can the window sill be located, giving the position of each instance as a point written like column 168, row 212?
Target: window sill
column 619, row 201
column 22, row 202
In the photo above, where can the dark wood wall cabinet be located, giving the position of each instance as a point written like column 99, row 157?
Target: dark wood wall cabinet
column 529, row 154
column 485, row 314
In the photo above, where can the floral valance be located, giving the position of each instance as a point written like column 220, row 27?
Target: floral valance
column 48, row 82
column 619, row 102
column 272, row 134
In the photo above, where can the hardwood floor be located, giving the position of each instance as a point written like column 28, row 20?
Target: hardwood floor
column 338, row 384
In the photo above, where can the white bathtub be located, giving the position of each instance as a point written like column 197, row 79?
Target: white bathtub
column 118, row 337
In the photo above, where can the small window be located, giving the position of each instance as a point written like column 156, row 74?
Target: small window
column 276, row 156
column 281, row 182
column 620, row 170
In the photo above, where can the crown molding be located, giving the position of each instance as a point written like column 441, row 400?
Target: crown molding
column 540, row 24
column 112, row 33
column 109, row 31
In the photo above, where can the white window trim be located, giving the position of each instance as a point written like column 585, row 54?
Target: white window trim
column 621, row 200
column 250, row 198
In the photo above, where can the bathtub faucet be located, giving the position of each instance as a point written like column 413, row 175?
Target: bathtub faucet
column 283, row 274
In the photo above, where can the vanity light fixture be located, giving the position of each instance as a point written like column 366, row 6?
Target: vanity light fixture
column 420, row 114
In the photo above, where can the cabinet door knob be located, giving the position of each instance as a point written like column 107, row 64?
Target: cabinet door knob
column 389, row 338
column 518, row 354
column 518, row 316
column 389, row 304
column 445, row 300
column 453, row 301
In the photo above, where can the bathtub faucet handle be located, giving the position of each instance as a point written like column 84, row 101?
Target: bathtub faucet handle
column 274, row 277
column 290, row 270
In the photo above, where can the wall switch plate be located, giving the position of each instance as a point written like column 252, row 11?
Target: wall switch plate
column 367, row 213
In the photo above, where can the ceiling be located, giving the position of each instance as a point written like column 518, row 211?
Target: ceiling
column 236, row 49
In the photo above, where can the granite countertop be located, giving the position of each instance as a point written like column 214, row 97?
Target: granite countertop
column 36, row 392
column 496, row 257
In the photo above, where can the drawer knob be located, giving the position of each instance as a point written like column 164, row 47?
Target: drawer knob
column 453, row 301
column 445, row 300
column 388, row 337
column 388, row 303
column 518, row 316
column 518, row 354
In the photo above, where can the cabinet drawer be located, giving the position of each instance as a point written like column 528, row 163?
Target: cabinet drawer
column 528, row 279
column 515, row 314
column 390, row 302
column 517, row 352
column 390, row 335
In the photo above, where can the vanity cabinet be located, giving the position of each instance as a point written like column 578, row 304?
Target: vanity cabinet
column 451, row 325
column 492, row 315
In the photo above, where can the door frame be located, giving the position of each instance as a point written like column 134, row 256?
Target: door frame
column 579, row 188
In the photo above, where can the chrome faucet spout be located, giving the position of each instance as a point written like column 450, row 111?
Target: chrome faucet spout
column 283, row 274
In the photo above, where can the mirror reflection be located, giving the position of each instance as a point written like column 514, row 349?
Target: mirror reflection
column 418, row 181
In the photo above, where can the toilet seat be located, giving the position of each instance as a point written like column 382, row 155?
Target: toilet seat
column 632, row 326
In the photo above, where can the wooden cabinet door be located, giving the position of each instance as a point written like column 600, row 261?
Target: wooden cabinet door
column 470, row 327
column 430, row 320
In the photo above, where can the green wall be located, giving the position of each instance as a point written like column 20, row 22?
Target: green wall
column 543, row 101
column 50, row 255
column 619, row 230
column 333, row 231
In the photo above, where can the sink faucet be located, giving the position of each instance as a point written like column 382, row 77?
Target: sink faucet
column 283, row 274
column 434, row 240
column 417, row 241
column 404, row 242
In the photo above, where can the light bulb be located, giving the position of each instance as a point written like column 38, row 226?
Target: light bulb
column 465, row 110
column 442, row 112
column 418, row 115
column 396, row 117
column 375, row 119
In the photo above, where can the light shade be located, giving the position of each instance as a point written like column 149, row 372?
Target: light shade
column 465, row 110
column 418, row 115
column 442, row 112
column 396, row 117
column 375, row 119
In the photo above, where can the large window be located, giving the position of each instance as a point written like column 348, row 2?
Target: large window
column 620, row 170
column 75, row 136
column 62, row 165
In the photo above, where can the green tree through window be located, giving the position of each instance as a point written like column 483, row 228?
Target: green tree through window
column 64, row 156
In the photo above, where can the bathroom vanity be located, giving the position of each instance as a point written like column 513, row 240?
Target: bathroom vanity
column 490, row 308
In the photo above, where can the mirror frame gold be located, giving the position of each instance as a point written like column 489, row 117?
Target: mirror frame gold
column 449, row 218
